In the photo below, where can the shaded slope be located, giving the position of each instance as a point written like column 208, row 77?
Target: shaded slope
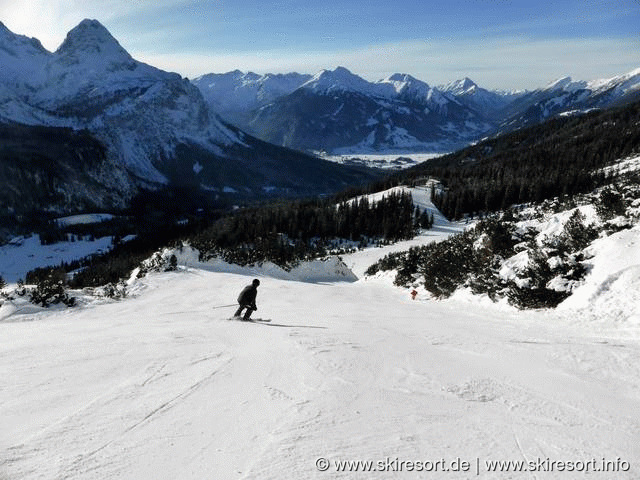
column 57, row 170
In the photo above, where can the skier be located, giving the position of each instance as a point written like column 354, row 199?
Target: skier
column 247, row 299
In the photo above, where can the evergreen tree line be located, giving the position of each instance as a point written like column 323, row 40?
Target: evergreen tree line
column 288, row 232
column 283, row 233
column 561, row 157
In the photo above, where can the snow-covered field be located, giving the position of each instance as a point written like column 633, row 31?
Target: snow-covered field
column 382, row 160
column 162, row 385
column 84, row 219
column 23, row 254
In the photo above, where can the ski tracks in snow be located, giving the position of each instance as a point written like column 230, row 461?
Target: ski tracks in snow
column 456, row 384
column 95, row 436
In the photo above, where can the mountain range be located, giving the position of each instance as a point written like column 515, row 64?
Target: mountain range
column 88, row 126
column 145, row 128
column 340, row 112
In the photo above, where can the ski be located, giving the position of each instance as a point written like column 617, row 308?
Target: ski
column 254, row 320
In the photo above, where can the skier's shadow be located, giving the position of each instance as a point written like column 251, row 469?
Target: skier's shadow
column 282, row 325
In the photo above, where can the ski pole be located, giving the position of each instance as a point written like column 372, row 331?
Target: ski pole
column 225, row 306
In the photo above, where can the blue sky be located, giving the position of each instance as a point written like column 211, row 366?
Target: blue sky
column 505, row 44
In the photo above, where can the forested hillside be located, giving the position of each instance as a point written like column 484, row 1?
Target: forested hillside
column 560, row 157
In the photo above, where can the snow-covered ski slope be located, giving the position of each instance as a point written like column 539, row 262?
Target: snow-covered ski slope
column 359, row 261
column 161, row 385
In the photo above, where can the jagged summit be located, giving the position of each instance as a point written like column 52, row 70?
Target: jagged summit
column 91, row 38
column 238, row 91
column 10, row 43
column 463, row 86
column 467, row 83
column 342, row 79
column 22, row 60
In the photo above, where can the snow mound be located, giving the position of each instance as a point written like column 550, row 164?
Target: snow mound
column 323, row 270
column 611, row 290
column 553, row 224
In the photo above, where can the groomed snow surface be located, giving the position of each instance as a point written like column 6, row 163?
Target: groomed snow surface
column 162, row 385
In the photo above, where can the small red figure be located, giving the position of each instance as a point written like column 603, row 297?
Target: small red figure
column 413, row 294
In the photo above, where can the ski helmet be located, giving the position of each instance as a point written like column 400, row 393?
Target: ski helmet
column 256, row 282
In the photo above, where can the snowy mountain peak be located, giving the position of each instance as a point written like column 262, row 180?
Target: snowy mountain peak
column 238, row 75
column 339, row 79
column 401, row 77
column 559, row 83
column 405, row 84
column 625, row 83
column 17, row 45
column 342, row 72
column 22, row 59
column 565, row 84
column 238, row 91
column 463, row 86
column 467, row 83
column 91, row 38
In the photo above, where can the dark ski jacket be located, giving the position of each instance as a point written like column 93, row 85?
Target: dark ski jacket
column 248, row 295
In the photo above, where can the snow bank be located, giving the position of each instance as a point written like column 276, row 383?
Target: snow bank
column 548, row 228
column 611, row 290
column 553, row 224
column 329, row 269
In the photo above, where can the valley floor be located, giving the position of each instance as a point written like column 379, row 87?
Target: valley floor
column 163, row 386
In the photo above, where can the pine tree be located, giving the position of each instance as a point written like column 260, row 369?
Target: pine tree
column 610, row 204
column 576, row 234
